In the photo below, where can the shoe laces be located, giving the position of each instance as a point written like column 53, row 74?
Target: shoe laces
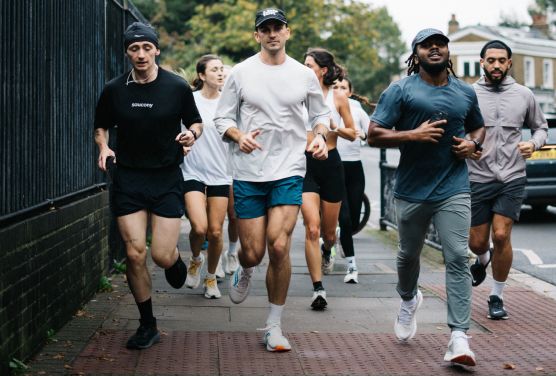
column 210, row 283
column 194, row 266
column 406, row 313
column 243, row 279
column 270, row 326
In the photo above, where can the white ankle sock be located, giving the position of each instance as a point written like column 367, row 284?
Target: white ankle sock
column 484, row 258
column 232, row 248
column 211, row 276
column 498, row 288
column 275, row 314
column 351, row 262
column 248, row 270
column 410, row 303
column 198, row 258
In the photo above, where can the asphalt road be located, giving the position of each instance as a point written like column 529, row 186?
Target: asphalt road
column 533, row 237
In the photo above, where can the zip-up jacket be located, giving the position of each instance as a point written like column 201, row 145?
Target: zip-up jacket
column 506, row 108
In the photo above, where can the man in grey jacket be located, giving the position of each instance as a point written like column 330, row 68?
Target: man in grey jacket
column 498, row 177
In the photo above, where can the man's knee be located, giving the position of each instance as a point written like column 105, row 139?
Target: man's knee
column 500, row 237
column 249, row 259
column 478, row 246
column 278, row 251
column 164, row 258
column 136, row 255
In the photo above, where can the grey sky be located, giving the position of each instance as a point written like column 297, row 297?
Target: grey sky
column 412, row 16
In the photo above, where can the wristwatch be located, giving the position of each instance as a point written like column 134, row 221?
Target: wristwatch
column 323, row 136
column 478, row 145
column 194, row 133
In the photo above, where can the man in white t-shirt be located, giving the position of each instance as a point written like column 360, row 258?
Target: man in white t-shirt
column 261, row 112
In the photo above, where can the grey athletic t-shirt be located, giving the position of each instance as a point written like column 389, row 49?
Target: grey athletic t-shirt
column 429, row 172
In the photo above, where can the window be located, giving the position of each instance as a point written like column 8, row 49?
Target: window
column 466, row 69
column 468, row 66
column 529, row 71
column 547, row 74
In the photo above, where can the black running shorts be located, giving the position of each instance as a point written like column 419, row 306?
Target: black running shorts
column 159, row 191
column 496, row 197
column 325, row 177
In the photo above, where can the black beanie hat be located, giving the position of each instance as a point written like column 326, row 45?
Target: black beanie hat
column 139, row 32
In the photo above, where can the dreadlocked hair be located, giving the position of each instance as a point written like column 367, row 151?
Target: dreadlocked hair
column 414, row 68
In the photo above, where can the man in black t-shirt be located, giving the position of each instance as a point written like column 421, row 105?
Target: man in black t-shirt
column 148, row 105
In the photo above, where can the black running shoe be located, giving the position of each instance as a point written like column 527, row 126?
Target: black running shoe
column 478, row 271
column 144, row 337
column 319, row 300
column 496, row 308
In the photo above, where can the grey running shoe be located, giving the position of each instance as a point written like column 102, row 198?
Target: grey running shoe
column 144, row 337
column 240, row 284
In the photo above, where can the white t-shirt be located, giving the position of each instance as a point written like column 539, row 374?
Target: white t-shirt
column 270, row 98
column 207, row 160
column 351, row 150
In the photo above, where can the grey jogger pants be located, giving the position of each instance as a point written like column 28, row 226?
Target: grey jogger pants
column 452, row 218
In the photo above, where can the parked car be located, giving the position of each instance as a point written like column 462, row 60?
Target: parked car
column 541, row 170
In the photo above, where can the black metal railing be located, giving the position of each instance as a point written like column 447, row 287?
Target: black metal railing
column 57, row 56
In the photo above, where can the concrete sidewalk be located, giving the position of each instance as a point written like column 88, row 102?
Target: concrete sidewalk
column 354, row 336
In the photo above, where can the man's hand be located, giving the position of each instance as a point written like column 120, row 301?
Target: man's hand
column 186, row 150
column 463, row 148
column 318, row 147
column 186, row 138
column 526, row 148
column 247, row 142
column 429, row 131
column 103, row 155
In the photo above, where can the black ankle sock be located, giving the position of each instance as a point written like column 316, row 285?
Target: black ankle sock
column 176, row 274
column 325, row 252
column 317, row 286
column 146, row 312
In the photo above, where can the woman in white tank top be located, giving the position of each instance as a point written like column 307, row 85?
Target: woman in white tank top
column 354, row 178
column 323, row 187
column 206, row 181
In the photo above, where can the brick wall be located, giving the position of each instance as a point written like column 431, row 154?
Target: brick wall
column 49, row 266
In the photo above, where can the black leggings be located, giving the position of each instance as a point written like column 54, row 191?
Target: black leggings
column 350, row 211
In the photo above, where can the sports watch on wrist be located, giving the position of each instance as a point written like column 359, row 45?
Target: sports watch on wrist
column 478, row 145
column 194, row 133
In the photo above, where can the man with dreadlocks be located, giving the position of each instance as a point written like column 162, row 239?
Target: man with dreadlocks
column 435, row 120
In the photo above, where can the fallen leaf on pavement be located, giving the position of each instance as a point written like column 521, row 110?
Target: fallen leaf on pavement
column 58, row 356
column 509, row 366
column 539, row 369
column 67, row 366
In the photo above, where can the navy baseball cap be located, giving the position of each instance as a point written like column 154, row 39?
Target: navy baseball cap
column 426, row 34
column 264, row 15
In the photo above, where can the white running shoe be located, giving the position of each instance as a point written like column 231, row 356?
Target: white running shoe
column 232, row 262
column 274, row 339
column 339, row 243
column 351, row 276
column 405, row 326
column 219, row 270
column 194, row 272
column 318, row 301
column 211, row 289
column 240, row 284
column 458, row 350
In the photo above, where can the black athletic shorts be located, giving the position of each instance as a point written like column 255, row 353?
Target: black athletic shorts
column 208, row 190
column 496, row 197
column 159, row 191
column 325, row 177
